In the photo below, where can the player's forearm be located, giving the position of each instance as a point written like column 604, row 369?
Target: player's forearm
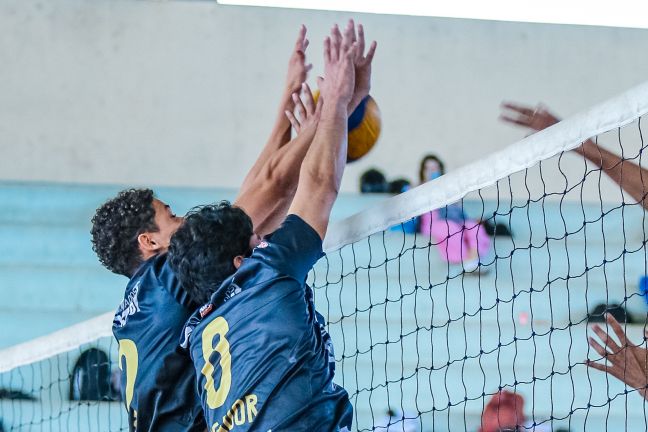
column 284, row 169
column 321, row 171
column 281, row 131
column 357, row 97
column 643, row 392
column 326, row 159
column 279, row 136
column 285, row 163
column 631, row 177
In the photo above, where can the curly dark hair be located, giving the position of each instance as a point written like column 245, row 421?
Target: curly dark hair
column 116, row 225
column 203, row 249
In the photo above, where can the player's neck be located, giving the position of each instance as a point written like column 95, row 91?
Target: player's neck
column 148, row 254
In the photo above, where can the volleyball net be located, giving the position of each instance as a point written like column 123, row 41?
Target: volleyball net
column 464, row 303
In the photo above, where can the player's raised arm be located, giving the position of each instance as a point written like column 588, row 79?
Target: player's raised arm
column 270, row 185
column 322, row 169
column 269, row 194
column 277, row 182
column 631, row 177
column 280, row 135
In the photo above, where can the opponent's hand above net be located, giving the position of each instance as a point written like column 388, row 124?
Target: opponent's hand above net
column 536, row 119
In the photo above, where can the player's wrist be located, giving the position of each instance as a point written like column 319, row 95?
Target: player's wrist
column 293, row 86
column 337, row 97
column 358, row 95
column 336, row 104
column 334, row 110
column 353, row 103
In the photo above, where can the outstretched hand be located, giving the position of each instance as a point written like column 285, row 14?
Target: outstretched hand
column 361, row 61
column 536, row 119
column 626, row 361
column 306, row 113
column 339, row 53
column 297, row 67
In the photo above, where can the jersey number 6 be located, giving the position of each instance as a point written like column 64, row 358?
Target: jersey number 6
column 216, row 397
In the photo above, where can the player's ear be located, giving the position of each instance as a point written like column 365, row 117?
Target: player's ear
column 238, row 260
column 147, row 243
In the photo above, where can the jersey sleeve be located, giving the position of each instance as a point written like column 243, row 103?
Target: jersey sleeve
column 292, row 250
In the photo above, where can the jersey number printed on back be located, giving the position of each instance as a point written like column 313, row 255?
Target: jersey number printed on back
column 216, row 396
column 244, row 409
column 128, row 351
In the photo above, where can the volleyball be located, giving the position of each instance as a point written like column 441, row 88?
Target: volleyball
column 364, row 127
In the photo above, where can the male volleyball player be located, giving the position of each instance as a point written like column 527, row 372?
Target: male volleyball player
column 131, row 234
column 262, row 361
column 628, row 175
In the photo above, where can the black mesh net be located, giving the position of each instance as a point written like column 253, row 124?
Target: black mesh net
column 77, row 390
column 476, row 315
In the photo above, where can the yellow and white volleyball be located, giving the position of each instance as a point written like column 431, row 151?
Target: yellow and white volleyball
column 364, row 127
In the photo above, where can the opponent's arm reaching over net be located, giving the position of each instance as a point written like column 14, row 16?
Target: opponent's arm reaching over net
column 630, row 176
column 623, row 360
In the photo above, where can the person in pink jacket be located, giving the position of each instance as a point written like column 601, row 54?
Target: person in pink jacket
column 459, row 239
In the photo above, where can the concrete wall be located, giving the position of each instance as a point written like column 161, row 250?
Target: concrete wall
column 185, row 93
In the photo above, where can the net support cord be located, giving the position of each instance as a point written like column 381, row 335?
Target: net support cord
column 451, row 187
column 565, row 135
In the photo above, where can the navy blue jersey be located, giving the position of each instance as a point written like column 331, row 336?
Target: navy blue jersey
column 262, row 356
column 158, row 382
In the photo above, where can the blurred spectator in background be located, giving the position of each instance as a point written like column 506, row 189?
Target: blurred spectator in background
column 396, row 187
column 504, row 412
column 430, row 168
column 373, row 181
column 460, row 240
column 399, row 185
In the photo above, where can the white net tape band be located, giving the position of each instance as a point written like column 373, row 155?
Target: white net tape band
column 451, row 187
column 56, row 343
